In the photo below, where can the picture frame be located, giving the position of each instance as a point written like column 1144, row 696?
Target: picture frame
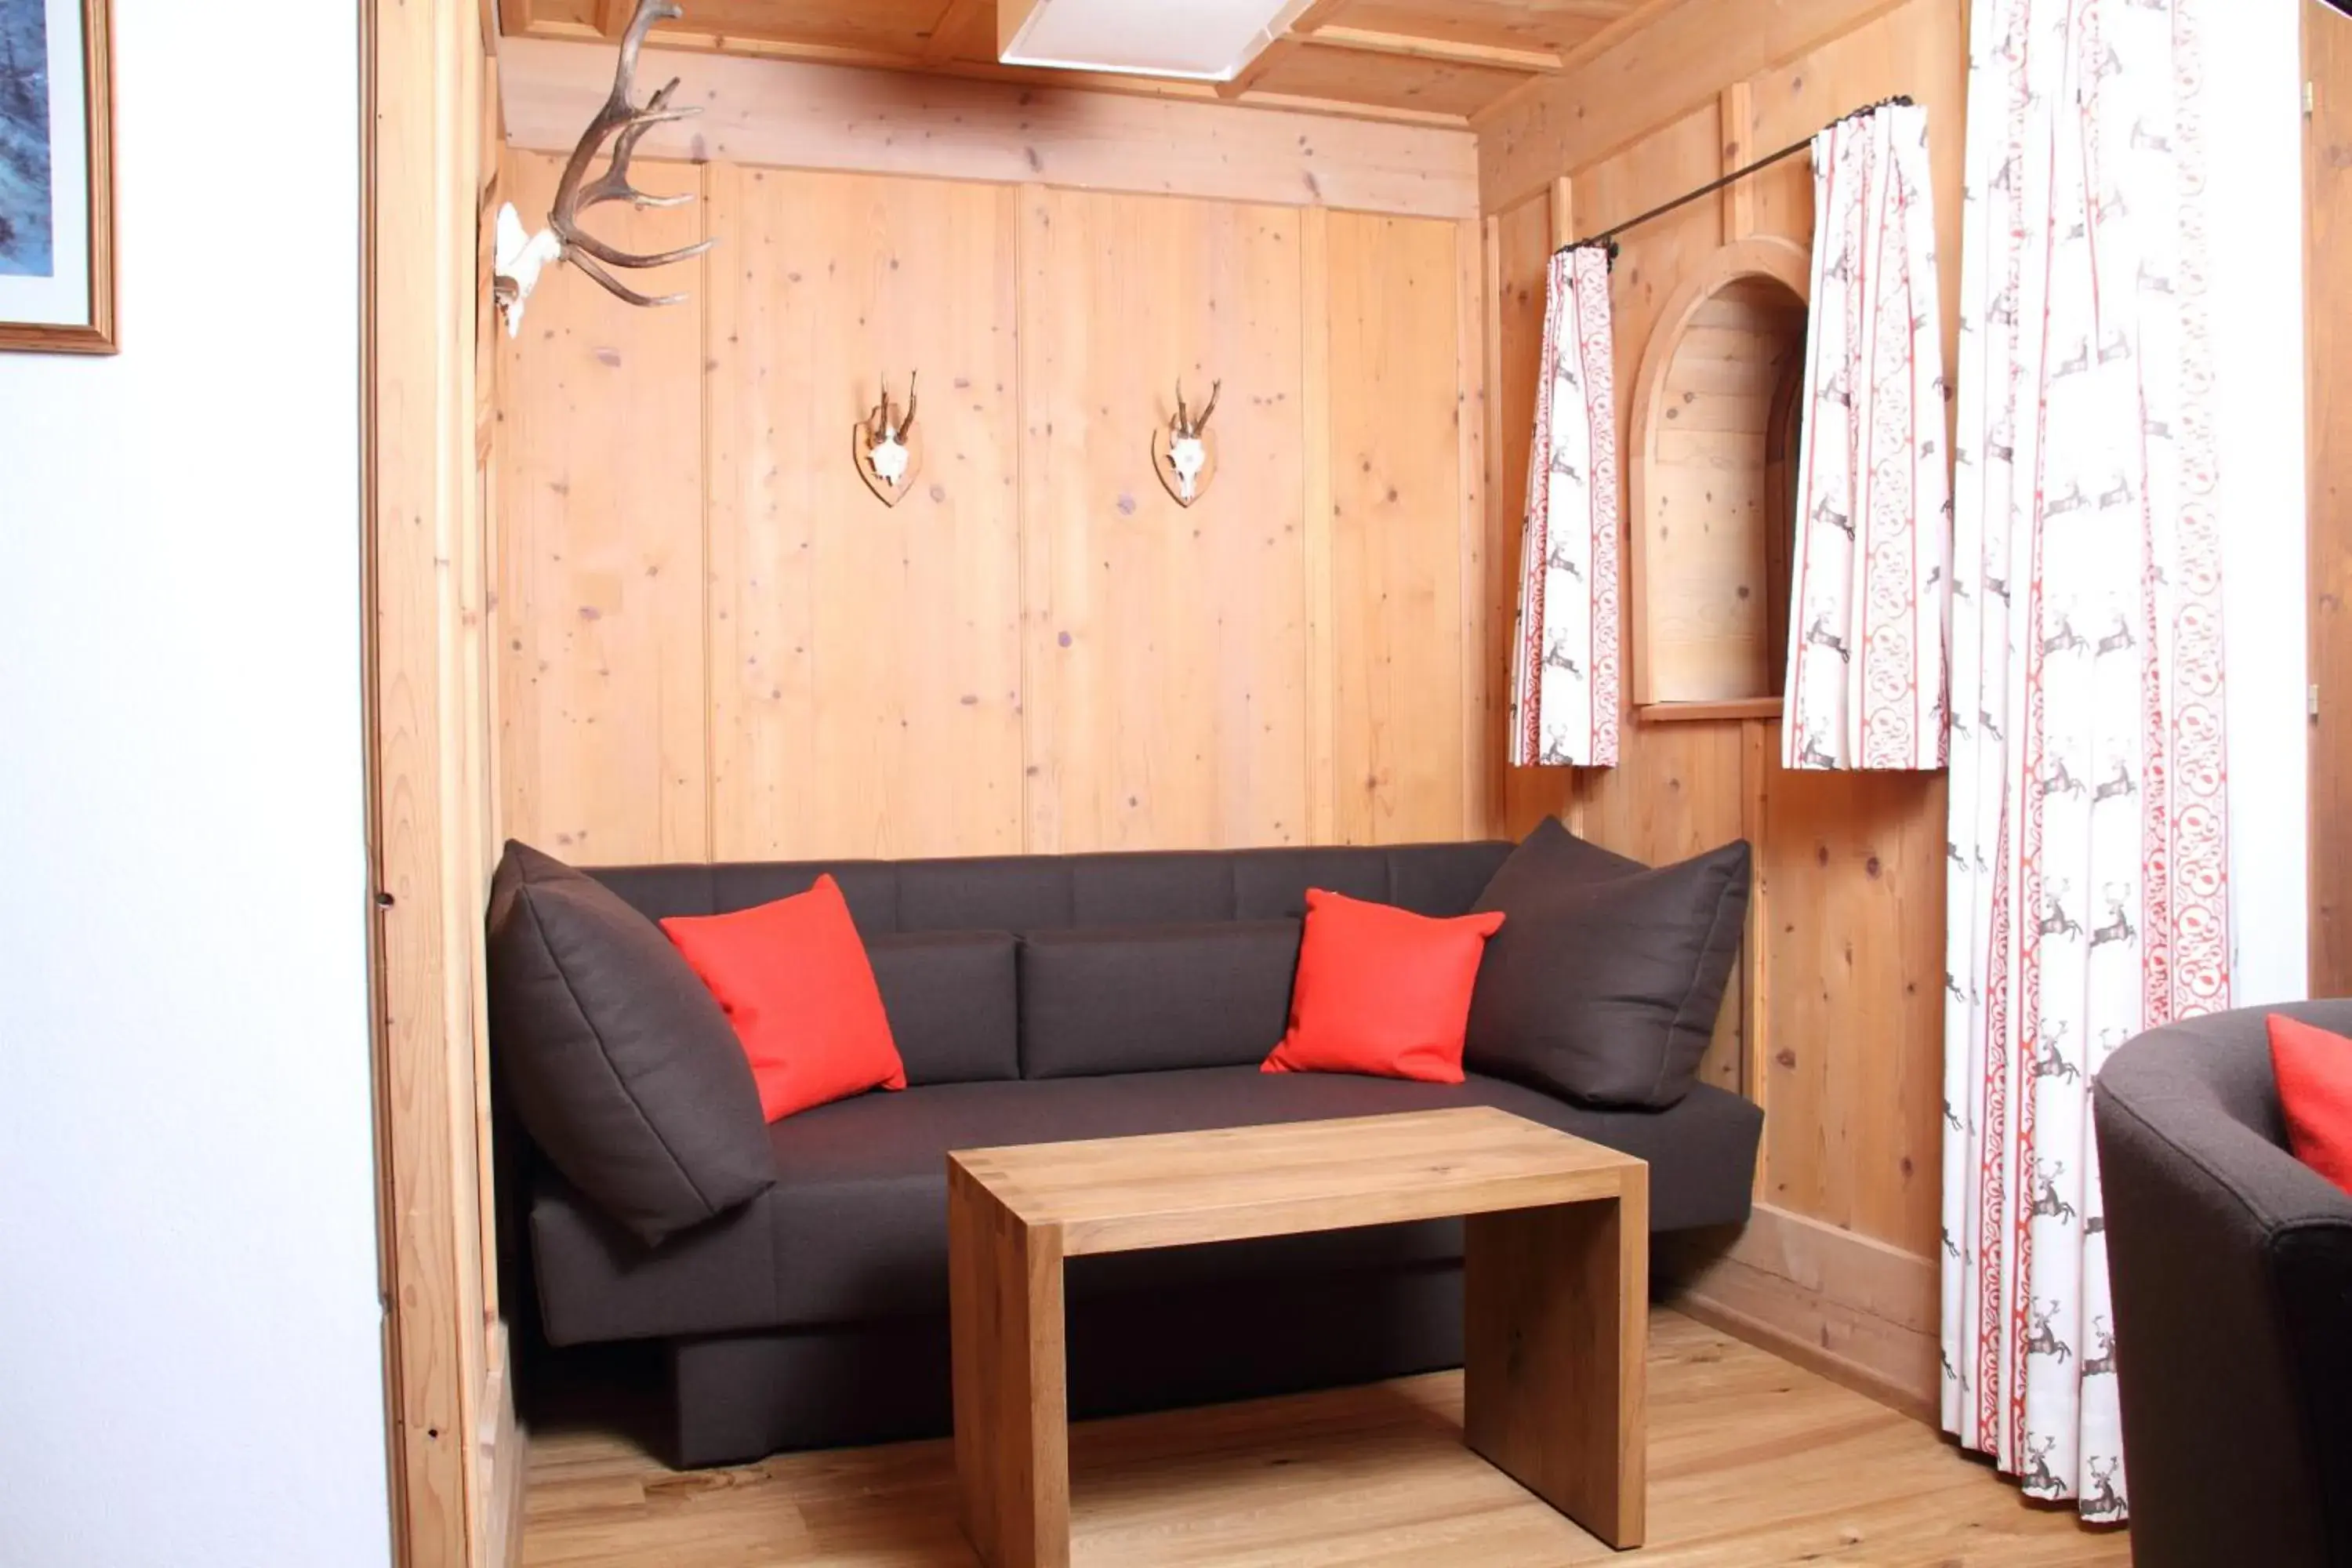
column 57, row 177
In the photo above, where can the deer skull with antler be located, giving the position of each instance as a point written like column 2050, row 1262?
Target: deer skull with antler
column 1188, row 444
column 521, row 257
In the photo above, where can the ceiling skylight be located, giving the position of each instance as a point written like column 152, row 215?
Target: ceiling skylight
column 1203, row 41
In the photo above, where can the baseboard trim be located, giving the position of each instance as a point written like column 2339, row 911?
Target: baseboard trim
column 1856, row 1310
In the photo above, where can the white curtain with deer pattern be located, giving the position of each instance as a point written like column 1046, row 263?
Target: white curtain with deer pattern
column 1564, row 656
column 2088, row 896
column 1867, row 621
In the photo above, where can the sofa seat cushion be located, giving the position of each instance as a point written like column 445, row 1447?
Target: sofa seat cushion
column 856, row 1227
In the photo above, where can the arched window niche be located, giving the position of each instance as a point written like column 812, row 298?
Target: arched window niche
column 1717, row 418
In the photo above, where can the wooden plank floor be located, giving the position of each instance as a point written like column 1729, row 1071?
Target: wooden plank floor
column 1753, row 1463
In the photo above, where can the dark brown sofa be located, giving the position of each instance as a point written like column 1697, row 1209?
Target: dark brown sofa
column 2231, row 1268
column 1038, row 999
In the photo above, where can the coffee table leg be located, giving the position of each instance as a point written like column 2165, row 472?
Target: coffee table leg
column 1012, row 1412
column 1556, row 1329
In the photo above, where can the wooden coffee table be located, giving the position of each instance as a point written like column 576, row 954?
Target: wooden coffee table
column 1555, row 1287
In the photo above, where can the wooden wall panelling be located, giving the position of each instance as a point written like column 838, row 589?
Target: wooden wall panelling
column 603, row 700
column 1168, row 650
column 1707, row 512
column 2327, row 168
column 785, row 114
column 1855, row 863
column 1315, row 525
column 1868, row 1041
column 1396, row 530
column 1485, row 686
column 1676, row 789
column 1840, row 1026
column 865, row 660
column 1521, row 241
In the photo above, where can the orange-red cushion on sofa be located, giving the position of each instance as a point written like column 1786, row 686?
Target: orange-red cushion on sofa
column 796, row 983
column 1382, row 991
column 2315, row 1086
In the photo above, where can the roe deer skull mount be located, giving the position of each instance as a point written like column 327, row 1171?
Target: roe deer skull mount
column 521, row 258
column 1184, row 452
column 888, row 447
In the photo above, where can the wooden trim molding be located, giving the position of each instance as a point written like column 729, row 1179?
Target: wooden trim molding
column 1734, row 709
column 456, row 1455
column 793, row 114
column 1856, row 1310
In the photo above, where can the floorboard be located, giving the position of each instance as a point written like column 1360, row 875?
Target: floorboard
column 1753, row 1463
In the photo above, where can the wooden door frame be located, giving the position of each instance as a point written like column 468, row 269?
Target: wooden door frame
column 454, row 1455
column 2327, row 223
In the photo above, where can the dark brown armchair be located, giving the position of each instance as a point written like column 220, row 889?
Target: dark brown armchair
column 2231, row 1265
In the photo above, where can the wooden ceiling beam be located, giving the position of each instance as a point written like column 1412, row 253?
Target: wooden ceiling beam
column 1347, row 109
column 1247, row 76
column 781, row 113
column 940, row 47
column 1445, row 52
column 937, row 53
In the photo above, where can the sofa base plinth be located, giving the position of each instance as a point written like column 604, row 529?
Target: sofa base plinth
column 737, row 1398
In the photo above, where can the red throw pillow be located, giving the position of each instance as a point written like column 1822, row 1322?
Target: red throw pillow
column 2314, row 1086
column 796, row 983
column 1382, row 991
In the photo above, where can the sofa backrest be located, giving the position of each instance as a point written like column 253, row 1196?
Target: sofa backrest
column 1067, row 966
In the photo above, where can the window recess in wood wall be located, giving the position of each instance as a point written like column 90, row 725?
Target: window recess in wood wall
column 1716, row 429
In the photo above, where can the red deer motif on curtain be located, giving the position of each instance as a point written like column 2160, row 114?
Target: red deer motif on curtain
column 2088, row 892
column 1868, row 607
column 1565, row 660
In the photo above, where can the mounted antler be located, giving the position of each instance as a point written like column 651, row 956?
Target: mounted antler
column 888, row 432
column 906, row 420
column 1186, row 462
column 521, row 258
column 888, row 423
column 574, row 195
column 1188, row 427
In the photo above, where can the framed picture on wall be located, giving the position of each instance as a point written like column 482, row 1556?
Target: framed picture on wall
column 57, row 177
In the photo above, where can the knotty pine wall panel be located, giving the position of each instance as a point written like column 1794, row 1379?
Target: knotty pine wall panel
column 1860, row 1035
column 720, row 644
column 1837, row 1024
column 865, row 660
column 603, row 702
column 1396, row 585
column 1167, row 647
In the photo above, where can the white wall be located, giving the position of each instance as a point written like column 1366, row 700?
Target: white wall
column 189, row 1328
column 2254, row 204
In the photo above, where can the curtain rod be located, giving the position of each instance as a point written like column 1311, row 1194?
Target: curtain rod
column 1608, row 236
